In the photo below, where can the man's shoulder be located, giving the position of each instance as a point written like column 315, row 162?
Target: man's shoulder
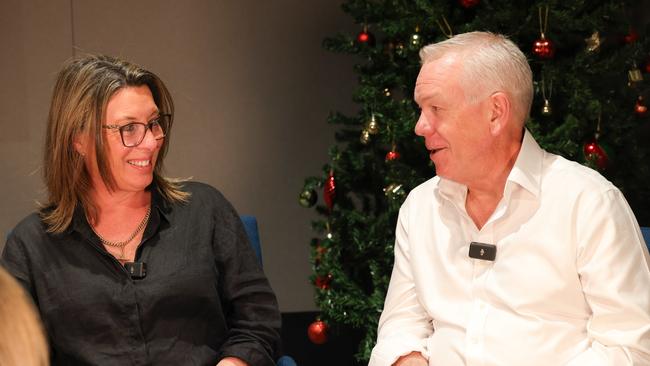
column 424, row 192
column 573, row 176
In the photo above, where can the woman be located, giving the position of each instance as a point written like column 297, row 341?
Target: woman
column 128, row 267
column 21, row 336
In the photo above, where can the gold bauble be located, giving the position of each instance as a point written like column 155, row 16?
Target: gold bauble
column 593, row 42
column 372, row 126
column 546, row 109
column 365, row 137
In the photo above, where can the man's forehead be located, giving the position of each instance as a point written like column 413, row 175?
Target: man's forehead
column 433, row 76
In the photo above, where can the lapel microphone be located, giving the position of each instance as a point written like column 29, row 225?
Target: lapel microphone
column 483, row 251
column 137, row 270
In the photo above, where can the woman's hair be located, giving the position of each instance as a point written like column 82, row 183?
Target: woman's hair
column 22, row 340
column 81, row 93
column 491, row 62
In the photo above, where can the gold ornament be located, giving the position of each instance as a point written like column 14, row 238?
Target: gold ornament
column 387, row 92
column 372, row 126
column 634, row 76
column 394, row 191
column 365, row 137
column 546, row 109
column 416, row 39
column 593, row 42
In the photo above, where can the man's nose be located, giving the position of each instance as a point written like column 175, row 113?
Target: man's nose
column 423, row 126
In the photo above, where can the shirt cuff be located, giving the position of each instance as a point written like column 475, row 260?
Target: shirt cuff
column 387, row 351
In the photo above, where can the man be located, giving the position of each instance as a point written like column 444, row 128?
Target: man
column 511, row 255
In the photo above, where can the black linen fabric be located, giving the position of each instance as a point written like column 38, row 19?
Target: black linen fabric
column 204, row 296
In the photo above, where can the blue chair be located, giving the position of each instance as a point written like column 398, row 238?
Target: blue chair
column 646, row 235
column 250, row 224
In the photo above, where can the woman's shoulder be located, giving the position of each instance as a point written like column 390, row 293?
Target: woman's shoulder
column 30, row 226
column 204, row 194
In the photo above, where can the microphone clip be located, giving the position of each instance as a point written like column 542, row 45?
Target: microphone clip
column 137, row 270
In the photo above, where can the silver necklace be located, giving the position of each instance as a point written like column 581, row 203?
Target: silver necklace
column 122, row 244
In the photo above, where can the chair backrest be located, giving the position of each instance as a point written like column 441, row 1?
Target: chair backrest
column 646, row 235
column 250, row 224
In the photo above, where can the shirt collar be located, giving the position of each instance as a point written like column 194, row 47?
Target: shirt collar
column 526, row 172
column 158, row 204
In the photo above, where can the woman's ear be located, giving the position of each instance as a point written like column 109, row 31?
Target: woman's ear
column 500, row 112
column 80, row 143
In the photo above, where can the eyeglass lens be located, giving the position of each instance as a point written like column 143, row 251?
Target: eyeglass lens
column 133, row 133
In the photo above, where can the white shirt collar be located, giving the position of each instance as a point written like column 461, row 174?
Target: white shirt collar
column 526, row 172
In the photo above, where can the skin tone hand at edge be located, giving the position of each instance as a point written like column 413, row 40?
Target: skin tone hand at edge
column 412, row 359
column 232, row 361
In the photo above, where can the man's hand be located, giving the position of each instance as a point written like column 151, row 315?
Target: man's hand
column 412, row 359
column 231, row 361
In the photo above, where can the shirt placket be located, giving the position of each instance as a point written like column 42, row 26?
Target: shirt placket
column 481, row 269
column 134, row 332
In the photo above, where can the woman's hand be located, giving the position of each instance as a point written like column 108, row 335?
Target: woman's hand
column 231, row 361
column 412, row 359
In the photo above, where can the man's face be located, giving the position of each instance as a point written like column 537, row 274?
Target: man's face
column 455, row 132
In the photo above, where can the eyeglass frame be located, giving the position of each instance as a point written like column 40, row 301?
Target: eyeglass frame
column 147, row 127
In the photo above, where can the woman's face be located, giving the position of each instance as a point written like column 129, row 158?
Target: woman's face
column 132, row 167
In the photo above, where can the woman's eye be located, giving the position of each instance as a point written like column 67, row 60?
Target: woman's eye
column 130, row 128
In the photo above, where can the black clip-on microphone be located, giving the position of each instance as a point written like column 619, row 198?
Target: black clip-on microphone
column 137, row 270
column 486, row 252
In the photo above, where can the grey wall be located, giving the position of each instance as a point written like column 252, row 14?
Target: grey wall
column 252, row 87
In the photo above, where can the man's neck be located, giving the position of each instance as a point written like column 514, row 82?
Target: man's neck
column 484, row 194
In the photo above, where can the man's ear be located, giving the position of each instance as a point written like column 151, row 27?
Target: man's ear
column 500, row 112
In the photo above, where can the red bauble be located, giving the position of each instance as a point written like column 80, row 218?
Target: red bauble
column 631, row 37
column 647, row 66
column 329, row 191
column 468, row 3
column 392, row 155
column 543, row 48
column 365, row 37
column 323, row 282
column 320, row 252
column 640, row 108
column 317, row 332
column 596, row 154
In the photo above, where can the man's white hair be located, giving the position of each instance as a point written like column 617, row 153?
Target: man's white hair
column 490, row 63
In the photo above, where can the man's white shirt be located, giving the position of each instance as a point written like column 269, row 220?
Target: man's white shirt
column 570, row 284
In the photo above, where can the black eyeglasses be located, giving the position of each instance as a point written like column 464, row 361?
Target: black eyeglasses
column 133, row 133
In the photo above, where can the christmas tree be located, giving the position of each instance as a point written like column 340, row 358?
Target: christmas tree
column 589, row 62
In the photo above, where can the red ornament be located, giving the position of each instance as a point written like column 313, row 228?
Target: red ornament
column 317, row 332
column 544, row 48
column 595, row 154
column 468, row 3
column 365, row 37
column 631, row 37
column 329, row 191
column 392, row 156
column 640, row 108
column 323, row 282
column 320, row 252
column 647, row 66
